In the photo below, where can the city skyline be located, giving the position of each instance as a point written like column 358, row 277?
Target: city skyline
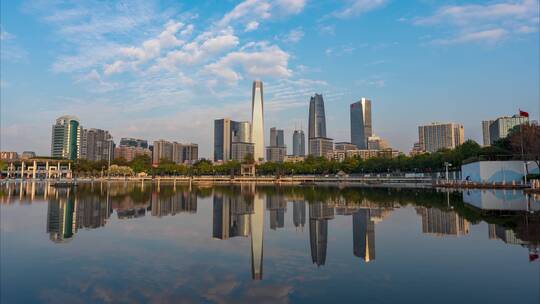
column 132, row 83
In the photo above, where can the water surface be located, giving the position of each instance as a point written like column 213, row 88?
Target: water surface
column 140, row 243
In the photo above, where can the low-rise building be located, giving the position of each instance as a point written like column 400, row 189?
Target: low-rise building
column 293, row 159
column 276, row 154
column 340, row 155
column 320, row 146
column 377, row 143
column 344, row 146
column 9, row 155
column 417, row 149
column 28, row 155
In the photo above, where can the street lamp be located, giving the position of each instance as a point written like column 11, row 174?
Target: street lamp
column 446, row 165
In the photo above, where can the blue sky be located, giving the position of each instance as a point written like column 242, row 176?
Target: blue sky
column 167, row 69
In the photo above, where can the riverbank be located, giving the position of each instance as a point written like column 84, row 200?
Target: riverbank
column 260, row 180
column 300, row 180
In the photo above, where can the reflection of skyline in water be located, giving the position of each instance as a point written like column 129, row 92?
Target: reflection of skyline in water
column 240, row 212
column 442, row 222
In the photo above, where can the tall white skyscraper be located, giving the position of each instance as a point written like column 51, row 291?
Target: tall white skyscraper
column 257, row 121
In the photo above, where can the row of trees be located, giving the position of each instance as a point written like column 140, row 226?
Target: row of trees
column 525, row 139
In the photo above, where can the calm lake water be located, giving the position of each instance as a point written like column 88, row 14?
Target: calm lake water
column 141, row 243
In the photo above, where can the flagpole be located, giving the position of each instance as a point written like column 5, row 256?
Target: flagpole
column 523, row 149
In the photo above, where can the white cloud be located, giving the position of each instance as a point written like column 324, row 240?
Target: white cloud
column 118, row 66
column 86, row 57
column 489, row 23
column 488, row 36
column 253, row 25
column 357, row 7
column 373, row 81
column 339, row 50
column 149, row 49
column 265, row 61
column 327, row 29
column 252, row 12
column 5, row 35
column 96, row 82
column 294, row 36
column 253, row 9
column 474, row 13
column 11, row 50
column 203, row 48
column 291, row 6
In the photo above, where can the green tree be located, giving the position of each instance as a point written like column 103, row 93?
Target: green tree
column 141, row 163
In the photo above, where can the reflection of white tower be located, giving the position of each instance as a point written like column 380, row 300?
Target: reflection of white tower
column 257, row 121
column 257, row 224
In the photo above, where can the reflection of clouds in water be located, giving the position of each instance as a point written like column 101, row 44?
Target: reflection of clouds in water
column 175, row 259
column 59, row 296
column 143, row 283
column 273, row 293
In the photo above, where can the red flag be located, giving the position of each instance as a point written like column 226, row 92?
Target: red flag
column 523, row 114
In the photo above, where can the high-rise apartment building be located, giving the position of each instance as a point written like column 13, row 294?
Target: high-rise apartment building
column 317, row 117
column 163, row 150
column 97, row 145
column 130, row 148
column 66, row 138
column 486, row 139
column 227, row 132
column 299, row 143
column 361, row 127
column 176, row 152
column 257, row 120
column 438, row 136
column 500, row 127
column 129, row 153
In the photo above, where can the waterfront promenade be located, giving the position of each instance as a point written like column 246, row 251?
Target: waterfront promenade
column 380, row 180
